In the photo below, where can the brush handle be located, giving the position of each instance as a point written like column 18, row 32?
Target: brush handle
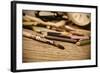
column 41, row 39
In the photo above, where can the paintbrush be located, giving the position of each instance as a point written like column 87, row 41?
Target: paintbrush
column 42, row 39
column 65, row 35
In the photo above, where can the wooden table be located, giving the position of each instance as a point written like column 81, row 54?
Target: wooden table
column 35, row 51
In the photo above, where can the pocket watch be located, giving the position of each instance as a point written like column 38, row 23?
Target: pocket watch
column 80, row 19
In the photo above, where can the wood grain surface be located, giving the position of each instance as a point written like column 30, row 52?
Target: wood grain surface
column 35, row 51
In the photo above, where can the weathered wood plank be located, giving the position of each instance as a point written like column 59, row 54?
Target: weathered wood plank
column 35, row 51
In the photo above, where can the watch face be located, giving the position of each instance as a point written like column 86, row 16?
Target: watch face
column 80, row 19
